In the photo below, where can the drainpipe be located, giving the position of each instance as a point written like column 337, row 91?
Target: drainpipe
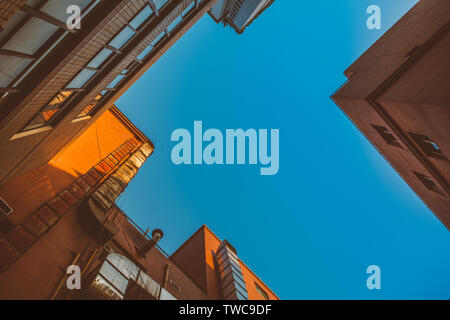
column 166, row 280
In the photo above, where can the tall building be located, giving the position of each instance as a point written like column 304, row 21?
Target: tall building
column 397, row 94
column 238, row 14
column 55, row 81
column 59, row 74
column 64, row 213
column 68, row 154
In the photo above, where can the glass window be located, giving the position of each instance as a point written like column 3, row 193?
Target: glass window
column 36, row 122
column 48, row 114
column 116, row 81
column 125, row 266
column 81, row 79
column 122, row 38
column 158, row 39
column 240, row 296
column 102, row 285
column 261, row 291
column 165, row 295
column 101, row 57
column 387, row 136
column 57, row 8
column 188, row 9
column 90, row 107
column 11, row 23
column 428, row 182
column 58, row 100
column 141, row 17
column 10, row 68
column 49, row 111
column 174, row 23
column 31, row 36
column 428, row 146
column 148, row 284
column 160, row 3
column 114, row 277
column 144, row 53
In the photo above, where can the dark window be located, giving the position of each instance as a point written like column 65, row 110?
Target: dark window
column 428, row 182
column 261, row 291
column 49, row 111
column 387, row 135
column 5, row 208
column 175, row 286
column 86, row 111
column 428, row 146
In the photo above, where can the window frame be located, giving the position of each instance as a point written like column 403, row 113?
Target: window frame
column 44, row 49
column 387, row 136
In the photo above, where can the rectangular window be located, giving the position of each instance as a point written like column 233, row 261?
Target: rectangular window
column 158, row 39
column 31, row 36
column 81, row 78
column 428, row 183
column 175, row 286
column 428, row 146
column 144, row 53
column 86, row 111
column 159, row 3
column 137, row 22
column 5, row 209
column 100, row 58
column 188, row 9
column 174, row 23
column 57, row 8
column 10, row 68
column 49, row 111
column 387, row 136
column 261, row 292
column 116, row 81
column 121, row 38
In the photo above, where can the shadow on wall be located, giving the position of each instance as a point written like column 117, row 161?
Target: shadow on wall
column 28, row 192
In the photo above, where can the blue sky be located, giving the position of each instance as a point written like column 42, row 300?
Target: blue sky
column 335, row 207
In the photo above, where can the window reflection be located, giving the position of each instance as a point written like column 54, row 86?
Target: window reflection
column 31, row 36
column 122, row 38
column 141, row 17
column 119, row 279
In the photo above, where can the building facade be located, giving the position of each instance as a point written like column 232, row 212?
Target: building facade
column 64, row 214
column 59, row 74
column 56, row 81
column 238, row 14
column 397, row 94
column 68, row 154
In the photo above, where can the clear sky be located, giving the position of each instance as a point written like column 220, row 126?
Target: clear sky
column 335, row 207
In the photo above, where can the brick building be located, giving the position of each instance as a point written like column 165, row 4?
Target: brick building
column 68, row 154
column 56, row 81
column 64, row 213
column 398, row 95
